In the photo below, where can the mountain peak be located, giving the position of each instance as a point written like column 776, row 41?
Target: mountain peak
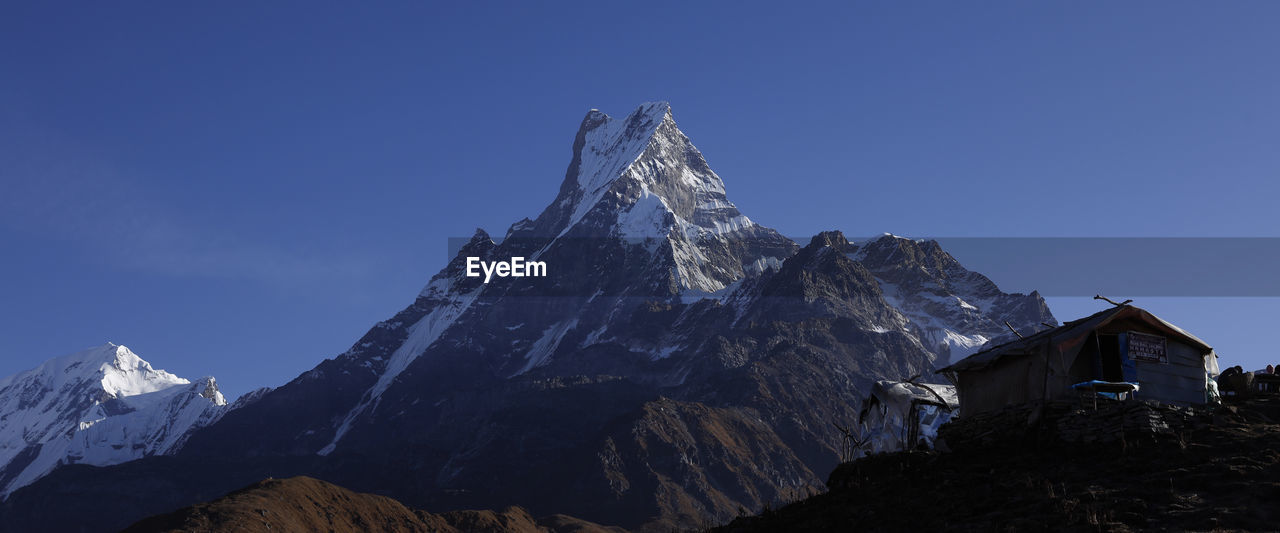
column 652, row 110
column 833, row 238
column 641, row 179
column 663, row 307
column 102, row 405
column 207, row 388
column 616, row 160
column 125, row 360
column 480, row 235
column 657, row 110
column 901, row 252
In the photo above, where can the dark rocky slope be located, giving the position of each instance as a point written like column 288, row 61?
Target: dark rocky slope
column 1139, row 469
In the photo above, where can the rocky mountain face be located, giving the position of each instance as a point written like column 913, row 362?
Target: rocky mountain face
column 679, row 363
column 100, row 406
column 952, row 310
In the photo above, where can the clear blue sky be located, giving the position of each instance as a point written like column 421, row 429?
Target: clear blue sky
column 242, row 189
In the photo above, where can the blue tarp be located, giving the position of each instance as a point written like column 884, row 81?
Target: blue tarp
column 1093, row 386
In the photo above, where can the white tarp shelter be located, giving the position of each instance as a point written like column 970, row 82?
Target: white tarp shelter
column 901, row 415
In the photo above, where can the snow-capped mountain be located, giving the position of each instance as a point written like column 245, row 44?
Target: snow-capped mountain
column 679, row 361
column 100, row 406
column 642, row 180
column 640, row 214
column 658, row 287
column 952, row 310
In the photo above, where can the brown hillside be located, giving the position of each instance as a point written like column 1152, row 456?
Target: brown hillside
column 306, row 505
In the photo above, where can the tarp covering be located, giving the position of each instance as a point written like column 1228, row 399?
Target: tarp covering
column 1211, row 364
column 899, row 415
column 900, row 394
column 1108, row 389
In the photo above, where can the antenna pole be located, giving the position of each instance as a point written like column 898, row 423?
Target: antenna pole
column 1112, row 302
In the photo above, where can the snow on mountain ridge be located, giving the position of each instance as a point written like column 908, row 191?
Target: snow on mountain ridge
column 639, row 198
column 648, row 148
column 123, row 372
column 645, row 181
column 99, row 406
column 611, row 148
column 954, row 310
column 627, row 352
column 635, row 181
column 421, row 335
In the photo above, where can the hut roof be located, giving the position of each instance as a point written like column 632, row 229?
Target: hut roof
column 1072, row 334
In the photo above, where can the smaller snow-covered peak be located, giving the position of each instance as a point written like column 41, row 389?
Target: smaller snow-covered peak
column 110, row 353
column 116, row 355
column 126, row 374
column 102, row 405
column 115, row 368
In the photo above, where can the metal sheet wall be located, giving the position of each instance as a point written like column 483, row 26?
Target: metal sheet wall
column 1181, row 381
column 994, row 387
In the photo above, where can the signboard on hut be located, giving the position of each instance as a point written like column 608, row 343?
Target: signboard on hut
column 1149, row 348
